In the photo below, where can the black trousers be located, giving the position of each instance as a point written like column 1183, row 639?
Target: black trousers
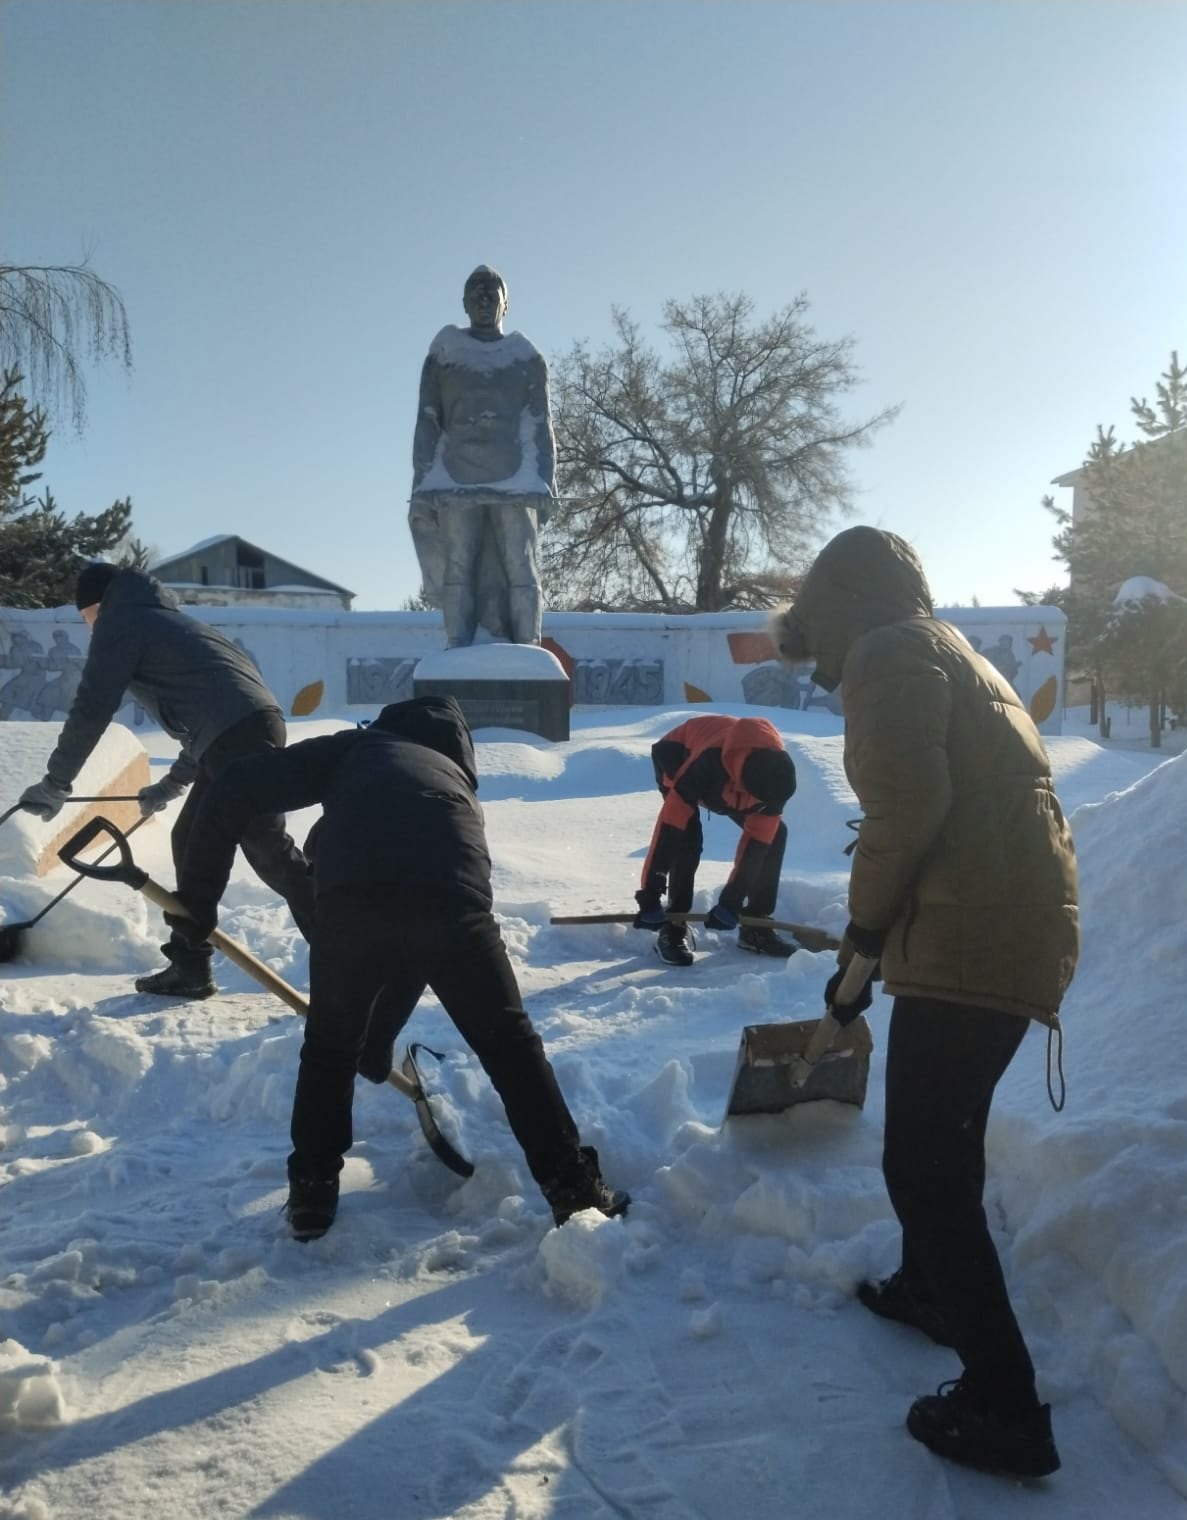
column 759, row 901
column 943, row 1062
column 269, row 850
column 373, row 954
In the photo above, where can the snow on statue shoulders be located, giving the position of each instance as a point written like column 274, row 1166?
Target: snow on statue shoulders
column 458, row 346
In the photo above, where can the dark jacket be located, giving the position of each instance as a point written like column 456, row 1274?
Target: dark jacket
column 963, row 855
column 189, row 677
column 734, row 766
column 399, row 800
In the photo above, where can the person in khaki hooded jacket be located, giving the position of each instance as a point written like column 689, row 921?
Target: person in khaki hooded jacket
column 964, row 884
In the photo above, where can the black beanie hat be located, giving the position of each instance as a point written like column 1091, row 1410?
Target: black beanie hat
column 769, row 775
column 93, row 581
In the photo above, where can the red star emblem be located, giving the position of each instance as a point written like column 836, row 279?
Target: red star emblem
column 1042, row 642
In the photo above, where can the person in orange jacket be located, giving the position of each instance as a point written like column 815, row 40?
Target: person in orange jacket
column 735, row 766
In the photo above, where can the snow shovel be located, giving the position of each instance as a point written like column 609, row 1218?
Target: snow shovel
column 783, row 1064
column 809, row 937
column 11, row 934
column 129, row 873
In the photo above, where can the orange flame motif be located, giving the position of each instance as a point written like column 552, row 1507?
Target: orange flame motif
column 308, row 699
column 1042, row 704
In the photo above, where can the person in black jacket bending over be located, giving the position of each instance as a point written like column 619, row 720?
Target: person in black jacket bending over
column 203, row 691
column 402, row 876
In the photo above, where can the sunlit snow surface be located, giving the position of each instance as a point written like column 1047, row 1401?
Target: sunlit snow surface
column 443, row 1352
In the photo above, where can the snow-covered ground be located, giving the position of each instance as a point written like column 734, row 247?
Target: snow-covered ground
column 443, row 1352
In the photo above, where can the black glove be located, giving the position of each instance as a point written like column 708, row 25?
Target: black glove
column 200, row 925
column 651, row 914
column 845, row 1013
column 867, row 942
column 45, row 798
column 158, row 796
column 721, row 917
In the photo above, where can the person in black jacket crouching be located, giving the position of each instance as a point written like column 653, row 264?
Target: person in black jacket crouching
column 206, row 693
column 402, row 880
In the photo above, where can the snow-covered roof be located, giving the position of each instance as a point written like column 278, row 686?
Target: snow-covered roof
column 206, row 543
column 225, row 538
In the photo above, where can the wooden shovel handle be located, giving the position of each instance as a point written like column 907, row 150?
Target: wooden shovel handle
column 808, row 935
column 242, row 957
column 857, row 974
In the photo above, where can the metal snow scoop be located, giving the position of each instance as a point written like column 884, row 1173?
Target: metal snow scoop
column 11, row 934
column 806, row 935
column 783, row 1064
column 129, row 873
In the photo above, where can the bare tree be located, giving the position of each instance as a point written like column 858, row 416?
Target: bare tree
column 53, row 320
column 699, row 483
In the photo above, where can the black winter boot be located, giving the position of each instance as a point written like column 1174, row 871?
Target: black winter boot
column 188, row 975
column 895, row 1298
column 673, row 944
column 763, row 941
column 312, row 1204
column 581, row 1187
column 958, row 1424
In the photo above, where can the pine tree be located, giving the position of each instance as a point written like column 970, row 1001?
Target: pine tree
column 1135, row 526
column 41, row 549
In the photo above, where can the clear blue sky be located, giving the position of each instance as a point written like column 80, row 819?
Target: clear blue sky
column 989, row 197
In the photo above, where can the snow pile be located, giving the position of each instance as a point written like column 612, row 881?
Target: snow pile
column 26, row 748
column 29, row 1390
column 584, row 1261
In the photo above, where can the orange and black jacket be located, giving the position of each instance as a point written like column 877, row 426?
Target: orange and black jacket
column 700, row 765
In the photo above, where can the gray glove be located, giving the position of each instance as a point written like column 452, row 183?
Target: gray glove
column 157, row 797
column 45, row 798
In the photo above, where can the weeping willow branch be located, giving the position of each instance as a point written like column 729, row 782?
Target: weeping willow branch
column 54, row 320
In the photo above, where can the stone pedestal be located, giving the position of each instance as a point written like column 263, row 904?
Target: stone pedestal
column 519, row 686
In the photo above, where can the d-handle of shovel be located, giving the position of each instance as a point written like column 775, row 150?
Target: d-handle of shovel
column 124, row 870
column 857, row 974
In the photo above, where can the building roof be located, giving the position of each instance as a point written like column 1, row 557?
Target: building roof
column 1074, row 477
column 224, row 538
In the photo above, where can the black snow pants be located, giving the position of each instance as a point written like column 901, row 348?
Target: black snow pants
column 266, row 843
column 763, row 890
column 374, row 951
column 943, row 1062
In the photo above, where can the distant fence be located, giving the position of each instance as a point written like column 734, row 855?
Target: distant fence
column 332, row 662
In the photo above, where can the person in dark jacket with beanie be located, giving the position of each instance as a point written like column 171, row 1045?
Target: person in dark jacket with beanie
column 735, row 766
column 204, row 692
column 401, row 872
column 963, row 883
